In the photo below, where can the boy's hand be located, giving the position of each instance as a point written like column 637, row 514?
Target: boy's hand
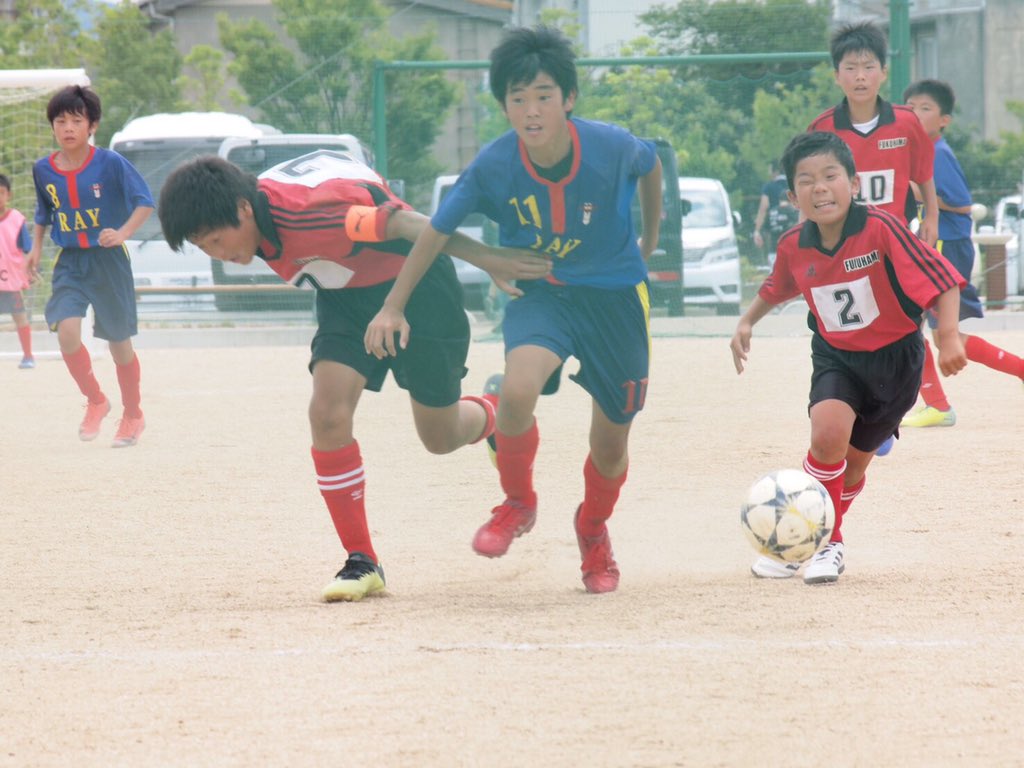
column 32, row 264
column 507, row 264
column 379, row 339
column 111, row 238
column 952, row 355
column 928, row 231
column 740, row 344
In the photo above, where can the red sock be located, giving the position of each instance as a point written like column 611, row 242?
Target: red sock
column 931, row 387
column 79, row 363
column 981, row 351
column 339, row 475
column 599, row 499
column 515, row 464
column 831, row 476
column 128, row 379
column 490, row 405
column 25, row 337
column 851, row 493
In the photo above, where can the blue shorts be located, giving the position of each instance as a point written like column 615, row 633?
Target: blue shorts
column 607, row 330
column 960, row 253
column 98, row 276
column 12, row 301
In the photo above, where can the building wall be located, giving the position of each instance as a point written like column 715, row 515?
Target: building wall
column 1003, row 56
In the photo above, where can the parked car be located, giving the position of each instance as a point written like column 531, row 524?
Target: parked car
column 665, row 264
column 1010, row 219
column 156, row 145
column 711, row 257
column 476, row 283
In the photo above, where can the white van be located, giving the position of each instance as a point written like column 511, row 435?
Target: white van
column 711, row 256
column 156, row 145
column 476, row 283
column 256, row 154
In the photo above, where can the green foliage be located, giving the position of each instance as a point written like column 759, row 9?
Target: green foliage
column 781, row 111
column 993, row 168
column 741, row 26
column 138, row 71
column 27, row 41
column 208, row 64
column 418, row 104
column 660, row 105
column 327, row 87
column 270, row 76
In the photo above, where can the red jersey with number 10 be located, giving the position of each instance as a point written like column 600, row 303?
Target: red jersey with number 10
column 894, row 153
column 867, row 292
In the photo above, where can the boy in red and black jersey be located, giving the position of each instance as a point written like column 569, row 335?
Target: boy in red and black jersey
column 867, row 280
column 889, row 145
column 328, row 222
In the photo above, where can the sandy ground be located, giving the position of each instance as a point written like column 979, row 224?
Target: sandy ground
column 160, row 603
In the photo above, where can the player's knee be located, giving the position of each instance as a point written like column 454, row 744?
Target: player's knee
column 440, row 444
column 327, row 421
column 830, row 442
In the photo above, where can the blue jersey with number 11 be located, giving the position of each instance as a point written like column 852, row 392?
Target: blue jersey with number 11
column 582, row 222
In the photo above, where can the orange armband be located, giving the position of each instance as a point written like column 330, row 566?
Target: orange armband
column 362, row 223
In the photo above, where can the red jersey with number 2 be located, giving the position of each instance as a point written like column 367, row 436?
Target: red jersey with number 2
column 870, row 289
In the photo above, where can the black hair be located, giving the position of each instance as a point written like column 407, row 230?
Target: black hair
column 863, row 36
column 74, row 100
column 5, row 182
column 805, row 145
column 201, row 195
column 939, row 92
column 525, row 52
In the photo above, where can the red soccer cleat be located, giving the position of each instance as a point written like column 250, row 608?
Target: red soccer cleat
column 509, row 520
column 95, row 413
column 600, row 572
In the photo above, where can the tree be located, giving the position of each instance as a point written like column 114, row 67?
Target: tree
column 136, row 72
column 660, row 105
column 208, row 64
column 327, row 86
column 27, row 41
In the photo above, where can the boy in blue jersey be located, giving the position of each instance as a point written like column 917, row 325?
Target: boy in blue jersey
column 932, row 102
column 93, row 200
column 560, row 186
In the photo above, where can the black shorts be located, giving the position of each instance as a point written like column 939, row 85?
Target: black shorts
column 880, row 386
column 432, row 366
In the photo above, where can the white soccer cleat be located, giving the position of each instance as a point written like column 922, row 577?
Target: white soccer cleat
column 826, row 565
column 767, row 568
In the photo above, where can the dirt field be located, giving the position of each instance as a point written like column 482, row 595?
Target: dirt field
column 160, row 604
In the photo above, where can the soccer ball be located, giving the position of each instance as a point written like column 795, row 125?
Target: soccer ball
column 788, row 515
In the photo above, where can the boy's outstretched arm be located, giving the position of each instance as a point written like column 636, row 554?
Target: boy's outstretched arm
column 740, row 344
column 952, row 356
column 649, row 194
column 502, row 264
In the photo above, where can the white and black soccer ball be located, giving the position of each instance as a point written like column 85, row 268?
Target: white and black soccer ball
column 788, row 515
